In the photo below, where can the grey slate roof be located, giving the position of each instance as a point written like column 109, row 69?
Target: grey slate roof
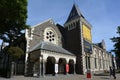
column 51, row 47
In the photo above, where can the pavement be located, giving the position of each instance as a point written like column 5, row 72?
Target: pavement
column 63, row 77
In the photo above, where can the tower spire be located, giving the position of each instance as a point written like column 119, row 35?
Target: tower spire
column 74, row 13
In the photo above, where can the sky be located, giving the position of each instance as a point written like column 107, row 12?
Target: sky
column 103, row 15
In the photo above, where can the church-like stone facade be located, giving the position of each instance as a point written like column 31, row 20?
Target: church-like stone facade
column 55, row 49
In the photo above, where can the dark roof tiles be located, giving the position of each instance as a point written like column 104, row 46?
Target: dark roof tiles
column 51, row 47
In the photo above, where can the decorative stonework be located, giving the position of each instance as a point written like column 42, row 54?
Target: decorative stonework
column 50, row 35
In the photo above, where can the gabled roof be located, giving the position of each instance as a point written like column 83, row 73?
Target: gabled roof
column 46, row 21
column 101, row 44
column 51, row 47
column 61, row 29
column 75, row 13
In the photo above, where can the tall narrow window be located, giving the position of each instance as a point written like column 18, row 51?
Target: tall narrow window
column 100, row 64
column 95, row 62
column 103, row 64
column 86, row 62
column 87, row 59
column 89, row 62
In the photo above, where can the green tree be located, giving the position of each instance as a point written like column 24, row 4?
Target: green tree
column 13, row 15
column 15, row 53
column 116, row 41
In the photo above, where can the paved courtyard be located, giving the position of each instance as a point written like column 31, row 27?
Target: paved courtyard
column 63, row 77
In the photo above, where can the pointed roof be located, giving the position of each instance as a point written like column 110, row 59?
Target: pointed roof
column 74, row 13
column 50, row 20
column 101, row 44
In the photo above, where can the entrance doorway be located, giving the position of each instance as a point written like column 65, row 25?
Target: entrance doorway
column 50, row 65
column 71, row 66
column 62, row 66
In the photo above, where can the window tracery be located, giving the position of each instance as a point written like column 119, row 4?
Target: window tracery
column 50, row 35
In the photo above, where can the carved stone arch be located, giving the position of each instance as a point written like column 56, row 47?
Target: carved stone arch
column 62, row 66
column 50, row 65
column 71, row 66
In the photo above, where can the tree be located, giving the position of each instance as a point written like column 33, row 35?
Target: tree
column 13, row 15
column 116, row 41
column 15, row 52
column 14, row 55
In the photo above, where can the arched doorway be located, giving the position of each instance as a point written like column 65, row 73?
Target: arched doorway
column 50, row 65
column 71, row 66
column 62, row 66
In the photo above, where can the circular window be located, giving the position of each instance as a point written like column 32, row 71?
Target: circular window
column 50, row 35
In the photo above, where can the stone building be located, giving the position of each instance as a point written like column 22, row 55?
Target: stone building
column 101, row 60
column 55, row 49
column 44, row 51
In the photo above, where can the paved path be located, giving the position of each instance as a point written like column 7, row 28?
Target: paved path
column 63, row 77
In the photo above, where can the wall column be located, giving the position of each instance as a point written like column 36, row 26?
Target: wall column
column 26, row 64
column 57, row 60
column 40, row 67
column 43, row 67
column 74, row 68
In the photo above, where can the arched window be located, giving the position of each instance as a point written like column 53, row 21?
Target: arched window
column 50, row 35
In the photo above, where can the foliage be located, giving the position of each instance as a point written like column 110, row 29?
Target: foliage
column 116, row 41
column 13, row 15
column 15, row 52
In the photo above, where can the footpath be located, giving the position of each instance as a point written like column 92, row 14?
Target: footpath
column 63, row 77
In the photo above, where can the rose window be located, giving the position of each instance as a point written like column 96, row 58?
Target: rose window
column 50, row 36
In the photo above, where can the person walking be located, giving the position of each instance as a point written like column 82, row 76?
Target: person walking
column 110, row 71
column 114, row 73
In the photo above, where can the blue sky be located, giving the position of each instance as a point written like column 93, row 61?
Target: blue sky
column 103, row 15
